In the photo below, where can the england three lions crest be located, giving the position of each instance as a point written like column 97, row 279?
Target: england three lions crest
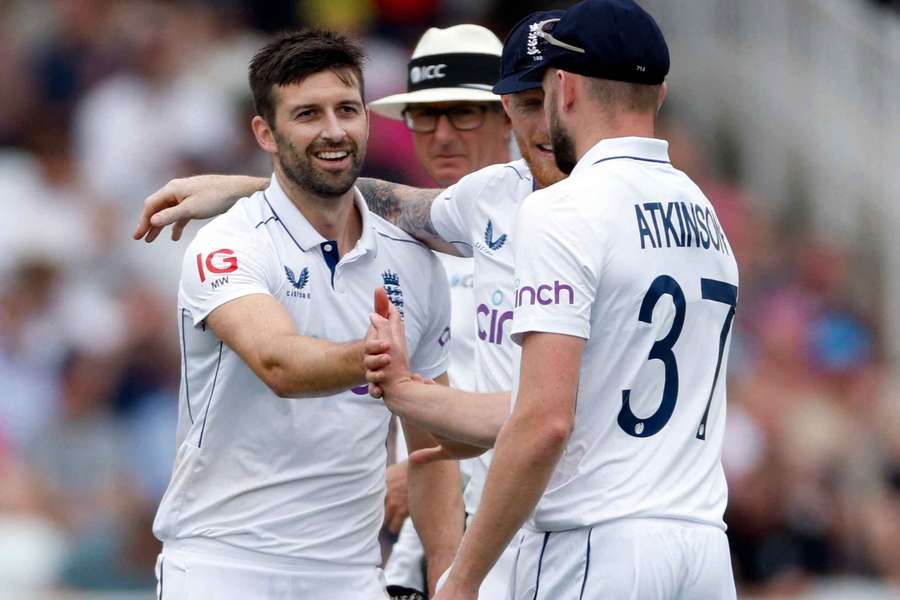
column 392, row 288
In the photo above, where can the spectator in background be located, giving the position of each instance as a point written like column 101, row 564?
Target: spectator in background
column 137, row 128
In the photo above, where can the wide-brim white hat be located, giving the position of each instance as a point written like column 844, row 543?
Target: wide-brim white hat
column 456, row 64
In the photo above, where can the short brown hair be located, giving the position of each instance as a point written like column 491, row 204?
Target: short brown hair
column 295, row 55
column 633, row 97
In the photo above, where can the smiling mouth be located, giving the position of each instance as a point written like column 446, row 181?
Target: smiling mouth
column 332, row 155
column 545, row 148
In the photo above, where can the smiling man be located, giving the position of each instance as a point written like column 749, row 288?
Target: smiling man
column 278, row 485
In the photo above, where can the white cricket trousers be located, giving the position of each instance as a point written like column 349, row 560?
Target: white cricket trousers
column 627, row 559
column 187, row 575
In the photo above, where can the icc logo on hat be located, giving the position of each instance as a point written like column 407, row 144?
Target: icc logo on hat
column 419, row 74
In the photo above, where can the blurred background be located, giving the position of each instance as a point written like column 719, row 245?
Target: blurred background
column 786, row 112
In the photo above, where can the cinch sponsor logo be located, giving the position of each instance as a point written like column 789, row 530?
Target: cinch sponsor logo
column 417, row 74
column 545, row 294
column 490, row 323
column 228, row 264
column 490, row 320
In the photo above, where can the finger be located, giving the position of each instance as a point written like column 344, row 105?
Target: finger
column 382, row 326
column 375, row 390
column 377, row 320
column 152, row 234
column 178, row 229
column 173, row 214
column 428, row 381
column 396, row 522
column 377, row 346
column 375, row 376
column 382, row 302
column 152, row 204
column 417, row 378
column 389, row 509
column 428, row 455
column 142, row 228
column 376, row 362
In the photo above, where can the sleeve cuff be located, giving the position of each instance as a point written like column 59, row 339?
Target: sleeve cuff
column 578, row 329
column 198, row 316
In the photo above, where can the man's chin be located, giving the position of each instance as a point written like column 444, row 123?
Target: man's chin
column 543, row 168
column 447, row 172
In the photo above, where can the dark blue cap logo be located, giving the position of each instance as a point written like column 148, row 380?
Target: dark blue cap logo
column 523, row 49
column 606, row 39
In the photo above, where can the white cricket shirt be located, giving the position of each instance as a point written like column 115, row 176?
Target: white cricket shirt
column 628, row 254
column 478, row 215
column 460, row 277
column 301, row 479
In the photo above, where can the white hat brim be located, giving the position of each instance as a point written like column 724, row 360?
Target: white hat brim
column 392, row 106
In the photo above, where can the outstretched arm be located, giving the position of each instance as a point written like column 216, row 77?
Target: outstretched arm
column 408, row 208
column 203, row 196
column 260, row 330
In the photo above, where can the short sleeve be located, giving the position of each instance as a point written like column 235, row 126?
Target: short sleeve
column 556, row 280
column 453, row 211
column 430, row 358
column 219, row 267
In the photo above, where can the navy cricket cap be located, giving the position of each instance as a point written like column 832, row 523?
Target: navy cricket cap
column 606, row 39
column 523, row 49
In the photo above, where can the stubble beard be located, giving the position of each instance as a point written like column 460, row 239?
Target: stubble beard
column 542, row 169
column 299, row 169
column 562, row 142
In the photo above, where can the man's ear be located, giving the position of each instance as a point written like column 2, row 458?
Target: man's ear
column 568, row 84
column 264, row 135
column 663, row 93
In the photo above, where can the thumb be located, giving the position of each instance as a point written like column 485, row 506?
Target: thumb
column 382, row 303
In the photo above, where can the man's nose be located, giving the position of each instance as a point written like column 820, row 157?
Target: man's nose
column 444, row 132
column 334, row 130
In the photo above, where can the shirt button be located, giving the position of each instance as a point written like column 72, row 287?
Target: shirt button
column 327, row 247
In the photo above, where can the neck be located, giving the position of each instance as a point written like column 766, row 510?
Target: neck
column 598, row 128
column 335, row 218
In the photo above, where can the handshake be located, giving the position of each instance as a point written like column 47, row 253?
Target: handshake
column 386, row 360
column 456, row 420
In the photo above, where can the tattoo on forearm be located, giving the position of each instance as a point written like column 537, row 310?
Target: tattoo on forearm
column 406, row 207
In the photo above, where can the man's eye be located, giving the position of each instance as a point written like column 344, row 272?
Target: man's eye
column 304, row 114
column 350, row 110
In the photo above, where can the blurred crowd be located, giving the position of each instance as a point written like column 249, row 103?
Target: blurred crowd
column 103, row 101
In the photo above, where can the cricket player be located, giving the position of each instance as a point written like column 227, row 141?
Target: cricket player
column 278, row 485
column 626, row 288
column 478, row 214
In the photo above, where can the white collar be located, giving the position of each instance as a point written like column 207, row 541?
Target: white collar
column 633, row 148
column 302, row 231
